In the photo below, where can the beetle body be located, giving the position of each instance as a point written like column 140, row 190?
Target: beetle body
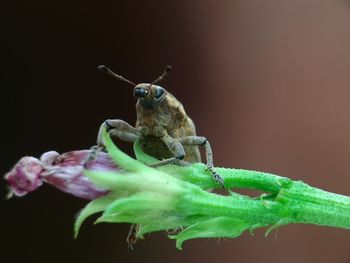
column 169, row 117
column 162, row 126
column 163, row 129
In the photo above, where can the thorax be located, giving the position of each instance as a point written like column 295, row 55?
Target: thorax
column 168, row 117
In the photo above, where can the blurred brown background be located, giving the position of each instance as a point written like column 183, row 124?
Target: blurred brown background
column 267, row 82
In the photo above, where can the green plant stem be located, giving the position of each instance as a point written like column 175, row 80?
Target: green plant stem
column 174, row 197
column 293, row 201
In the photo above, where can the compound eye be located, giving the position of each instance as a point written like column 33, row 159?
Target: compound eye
column 140, row 92
column 159, row 93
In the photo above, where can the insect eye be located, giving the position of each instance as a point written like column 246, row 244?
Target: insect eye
column 159, row 93
column 140, row 92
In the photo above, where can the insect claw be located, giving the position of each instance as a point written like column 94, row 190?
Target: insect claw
column 108, row 126
column 131, row 238
column 209, row 169
column 216, row 176
column 94, row 151
column 219, row 180
column 130, row 247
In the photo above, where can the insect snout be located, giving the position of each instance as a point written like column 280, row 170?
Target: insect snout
column 141, row 92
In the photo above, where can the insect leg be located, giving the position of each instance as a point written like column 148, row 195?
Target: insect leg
column 175, row 148
column 125, row 132
column 131, row 238
column 120, row 129
column 202, row 141
column 115, row 128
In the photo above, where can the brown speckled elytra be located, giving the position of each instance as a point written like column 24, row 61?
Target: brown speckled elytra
column 163, row 127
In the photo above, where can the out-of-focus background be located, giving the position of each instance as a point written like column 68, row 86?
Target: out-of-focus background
column 267, row 82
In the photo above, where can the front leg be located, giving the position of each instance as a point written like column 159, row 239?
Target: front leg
column 202, row 141
column 120, row 129
column 115, row 128
column 175, row 148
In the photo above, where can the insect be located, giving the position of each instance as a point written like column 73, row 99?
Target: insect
column 164, row 129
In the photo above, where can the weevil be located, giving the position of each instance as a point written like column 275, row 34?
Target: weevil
column 163, row 128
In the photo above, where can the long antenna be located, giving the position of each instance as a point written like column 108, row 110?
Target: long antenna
column 105, row 69
column 167, row 69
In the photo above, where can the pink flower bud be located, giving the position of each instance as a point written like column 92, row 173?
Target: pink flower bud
column 63, row 171
column 25, row 176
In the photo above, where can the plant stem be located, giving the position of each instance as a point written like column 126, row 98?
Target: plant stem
column 300, row 202
column 175, row 197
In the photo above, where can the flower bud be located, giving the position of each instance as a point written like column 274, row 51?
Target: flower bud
column 63, row 171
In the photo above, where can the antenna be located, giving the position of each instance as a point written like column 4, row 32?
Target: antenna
column 167, row 69
column 105, row 69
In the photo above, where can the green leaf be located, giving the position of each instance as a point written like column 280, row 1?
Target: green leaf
column 123, row 160
column 141, row 156
column 95, row 206
column 215, row 227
